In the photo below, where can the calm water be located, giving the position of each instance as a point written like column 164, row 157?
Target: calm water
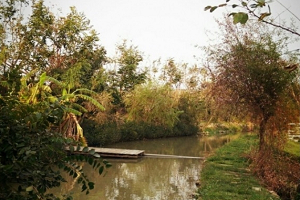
column 150, row 178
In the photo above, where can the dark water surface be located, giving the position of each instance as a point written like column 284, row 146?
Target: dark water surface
column 149, row 178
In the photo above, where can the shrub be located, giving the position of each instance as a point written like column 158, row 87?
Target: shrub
column 32, row 154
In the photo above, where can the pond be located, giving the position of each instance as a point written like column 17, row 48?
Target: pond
column 150, row 178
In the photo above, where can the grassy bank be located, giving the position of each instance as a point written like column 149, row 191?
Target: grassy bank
column 293, row 148
column 225, row 174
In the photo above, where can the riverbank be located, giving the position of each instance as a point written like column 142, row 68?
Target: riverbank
column 225, row 175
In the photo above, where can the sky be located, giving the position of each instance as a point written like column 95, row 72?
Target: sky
column 159, row 28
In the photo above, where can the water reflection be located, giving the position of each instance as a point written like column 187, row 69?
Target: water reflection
column 150, row 178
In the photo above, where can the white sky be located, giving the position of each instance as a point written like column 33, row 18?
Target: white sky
column 160, row 28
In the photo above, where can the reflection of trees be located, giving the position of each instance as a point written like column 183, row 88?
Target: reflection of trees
column 211, row 143
column 153, row 178
column 70, row 183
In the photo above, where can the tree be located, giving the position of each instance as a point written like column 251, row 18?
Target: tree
column 172, row 74
column 32, row 151
column 51, row 44
column 125, row 75
column 249, row 73
column 63, row 47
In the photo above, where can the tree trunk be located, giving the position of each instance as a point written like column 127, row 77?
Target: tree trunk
column 262, row 129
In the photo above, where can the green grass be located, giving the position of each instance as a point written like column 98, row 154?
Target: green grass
column 225, row 174
column 293, row 148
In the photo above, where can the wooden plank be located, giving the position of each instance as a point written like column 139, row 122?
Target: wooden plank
column 130, row 153
column 116, row 153
column 172, row 156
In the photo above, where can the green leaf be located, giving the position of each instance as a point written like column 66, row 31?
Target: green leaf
column 98, row 165
column 207, row 8
column 85, row 90
column 244, row 3
column 91, row 185
column 261, row 3
column 80, row 179
column 75, row 175
column 78, row 107
column 96, row 155
column 83, row 188
column 108, row 165
column 212, row 9
column 56, row 82
column 69, row 140
column 240, row 17
column 71, row 147
column 47, row 88
column 90, row 160
column 222, row 5
column 95, row 163
column 42, row 78
column 101, row 169
column 91, row 100
column 85, row 150
column 92, row 151
column 234, row 5
column 64, row 92
column 105, row 162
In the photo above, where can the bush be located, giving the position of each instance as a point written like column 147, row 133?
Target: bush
column 103, row 134
column 182, row 129
column 32, row 154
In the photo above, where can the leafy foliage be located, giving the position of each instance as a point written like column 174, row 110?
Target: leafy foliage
column 33, row 106
column 30, row 151
column 172, row 74
column 251, row 75
column 126, row 75
column 259, row 9
column 152, row 104
column 65, row 48
column 242, row 17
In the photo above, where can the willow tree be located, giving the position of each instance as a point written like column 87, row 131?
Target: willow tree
column 249, row 73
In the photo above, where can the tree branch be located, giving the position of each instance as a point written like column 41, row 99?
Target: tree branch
column 273, row 24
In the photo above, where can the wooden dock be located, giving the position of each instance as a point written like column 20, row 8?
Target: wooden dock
column 126, row 153
column 119, row 153
column 115, row 153
column 172, row 156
